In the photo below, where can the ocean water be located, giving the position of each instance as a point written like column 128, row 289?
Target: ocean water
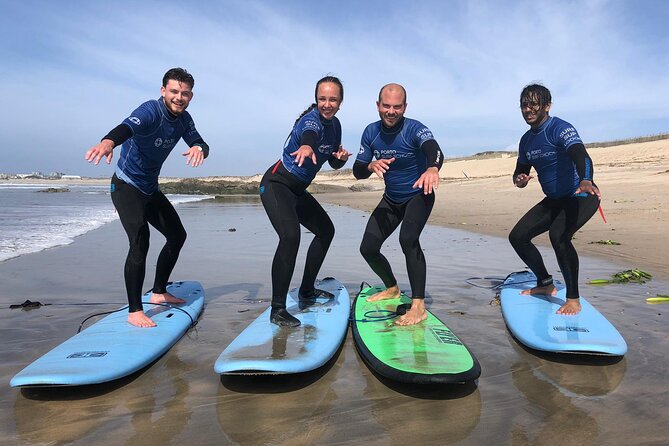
column 32, row 220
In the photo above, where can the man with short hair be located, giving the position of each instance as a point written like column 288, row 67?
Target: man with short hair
column 148, row 136
column 408, row 159
column 565, row 170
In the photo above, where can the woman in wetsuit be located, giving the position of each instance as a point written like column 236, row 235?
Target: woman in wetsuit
column 314, row 139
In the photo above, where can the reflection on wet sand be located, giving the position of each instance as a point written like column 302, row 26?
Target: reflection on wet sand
column 68, row 414
column 521, row 398
column 552, row 418
column 576, row 375
column 279, row 409
column 415, row 414
column 554, row 388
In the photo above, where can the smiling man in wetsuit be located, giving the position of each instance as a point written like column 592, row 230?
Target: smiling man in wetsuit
column 555, row 150
column 148, row 136
column 404, row 153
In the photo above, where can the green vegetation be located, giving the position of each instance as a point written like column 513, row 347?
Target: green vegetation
column 605, row 242
column 631, row 275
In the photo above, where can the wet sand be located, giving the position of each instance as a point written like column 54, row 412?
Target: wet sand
column 521, row 397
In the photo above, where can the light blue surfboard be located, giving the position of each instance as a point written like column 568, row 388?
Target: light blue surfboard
column 531, row 319
column 264, row 348
column 111, row 348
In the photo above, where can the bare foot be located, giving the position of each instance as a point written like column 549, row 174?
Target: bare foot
column 572, row 307
column 139, row 319
column 165, row 298
column 389, row 293
column 415, row 315
column 548, row 290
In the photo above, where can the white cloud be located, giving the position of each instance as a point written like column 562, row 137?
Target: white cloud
column 77, row 72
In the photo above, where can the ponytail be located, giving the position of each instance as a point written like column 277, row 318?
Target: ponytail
column 311, row 107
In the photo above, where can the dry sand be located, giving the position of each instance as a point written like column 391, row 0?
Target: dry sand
column 478, row 195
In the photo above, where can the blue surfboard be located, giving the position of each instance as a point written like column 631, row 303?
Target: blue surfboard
column 111, row 348
column 264, row 348
column 532, row 320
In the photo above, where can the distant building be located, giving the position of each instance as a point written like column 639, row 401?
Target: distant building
column 70, row 177
column 29, row 175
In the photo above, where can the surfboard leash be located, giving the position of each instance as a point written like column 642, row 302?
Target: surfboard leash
column 193, row 322
column 496, row 286
column 381, row 315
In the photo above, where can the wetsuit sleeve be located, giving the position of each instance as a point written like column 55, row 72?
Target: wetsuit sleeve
column 119, row 134
column 520, row 168
column 360, row 171
column 191, row 136
column 309, row 138
column 336, row 163
column 582, row 160
column 431, row 149
column 200, row 143
column 365, row 154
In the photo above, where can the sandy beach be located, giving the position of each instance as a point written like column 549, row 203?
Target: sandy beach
column 522, row 396
column 477, row 195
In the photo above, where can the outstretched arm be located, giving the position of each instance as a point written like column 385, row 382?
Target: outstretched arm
column 118, row 135
column 339, row 158
column 196, row 154
column 308, row 141
column 104, row 148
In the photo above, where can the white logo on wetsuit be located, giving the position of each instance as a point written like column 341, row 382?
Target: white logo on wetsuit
column 166, row 144
column 392, row 153
column 535, row 154
column 424, row 134
column 135, row 120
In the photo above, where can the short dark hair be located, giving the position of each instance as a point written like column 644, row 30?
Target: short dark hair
column 179, row 75
column 538, row 92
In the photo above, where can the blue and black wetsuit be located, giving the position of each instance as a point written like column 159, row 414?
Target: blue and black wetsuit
column 288, row 205
column 415, row 150
column 558, row 155
column 148, row 136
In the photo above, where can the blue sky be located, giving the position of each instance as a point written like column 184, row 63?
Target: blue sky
column 72, row 70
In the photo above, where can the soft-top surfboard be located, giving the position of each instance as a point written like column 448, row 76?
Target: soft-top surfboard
column 111, row 348
column 532, row 320
column 264, row 348
column 425, row 353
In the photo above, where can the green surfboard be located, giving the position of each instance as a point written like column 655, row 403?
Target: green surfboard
column 425, row 353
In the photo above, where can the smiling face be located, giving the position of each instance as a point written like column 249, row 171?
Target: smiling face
column 328, row 99
column 391, row 104
column 176, row 95
column 535, row 103
column 534, row 112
